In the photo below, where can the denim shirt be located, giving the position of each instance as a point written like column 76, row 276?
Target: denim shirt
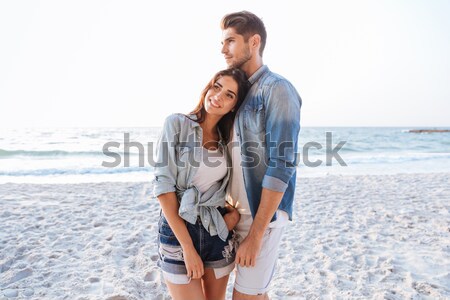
column 179, row 153
column 267, row 125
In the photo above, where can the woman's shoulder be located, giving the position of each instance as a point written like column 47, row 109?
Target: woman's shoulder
column 177, row 121
column 179, row 117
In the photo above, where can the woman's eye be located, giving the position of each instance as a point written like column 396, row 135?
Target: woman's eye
column 230, row 96
column 216, row 87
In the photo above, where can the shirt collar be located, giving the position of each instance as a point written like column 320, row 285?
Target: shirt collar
column 196, row 124
column 254, row 78
column 192, row 120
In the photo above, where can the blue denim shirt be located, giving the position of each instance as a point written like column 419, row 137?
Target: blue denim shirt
column 267, row 125
column 178, row 157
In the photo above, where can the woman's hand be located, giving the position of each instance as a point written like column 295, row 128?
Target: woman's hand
column 194, row 264
column 232, row 216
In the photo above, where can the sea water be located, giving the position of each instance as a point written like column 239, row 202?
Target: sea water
column 76, row 155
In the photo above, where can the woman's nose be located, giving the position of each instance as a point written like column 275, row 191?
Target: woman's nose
column 218, row 96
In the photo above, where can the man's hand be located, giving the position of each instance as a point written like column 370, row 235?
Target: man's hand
column 250, row 247
column 194, row 264
column 248, row 251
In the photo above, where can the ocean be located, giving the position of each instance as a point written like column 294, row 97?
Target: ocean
column 76, row 155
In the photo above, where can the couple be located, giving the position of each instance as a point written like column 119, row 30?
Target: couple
column 226, row 184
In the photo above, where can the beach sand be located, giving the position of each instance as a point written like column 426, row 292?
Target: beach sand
column 353, row 237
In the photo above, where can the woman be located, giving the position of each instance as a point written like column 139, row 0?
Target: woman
column 196, row 252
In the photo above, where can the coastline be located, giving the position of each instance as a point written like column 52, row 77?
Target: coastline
column 352, row 237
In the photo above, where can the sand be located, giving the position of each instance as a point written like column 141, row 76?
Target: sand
column 353, row 237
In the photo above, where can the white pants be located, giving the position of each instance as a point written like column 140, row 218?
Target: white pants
column 255, row 280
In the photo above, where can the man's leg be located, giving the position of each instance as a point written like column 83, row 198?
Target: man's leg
column 253, row 282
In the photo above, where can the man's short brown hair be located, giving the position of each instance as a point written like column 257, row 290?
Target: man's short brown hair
column 246, row 24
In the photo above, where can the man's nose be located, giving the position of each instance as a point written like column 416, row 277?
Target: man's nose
column 224, row 50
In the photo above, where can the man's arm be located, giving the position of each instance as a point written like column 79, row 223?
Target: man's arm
column 250, row 247
column 282, row 128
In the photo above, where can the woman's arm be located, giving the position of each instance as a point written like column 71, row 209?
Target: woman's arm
column 169, row 204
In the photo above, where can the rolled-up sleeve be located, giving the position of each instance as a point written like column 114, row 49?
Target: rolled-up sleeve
column 166, row 168
column 282, row 129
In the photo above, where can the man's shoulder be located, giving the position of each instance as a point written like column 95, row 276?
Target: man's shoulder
column 270, row 78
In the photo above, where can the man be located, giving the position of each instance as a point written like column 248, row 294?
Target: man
column 263, row 149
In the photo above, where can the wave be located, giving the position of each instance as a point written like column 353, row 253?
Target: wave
column 60, row 153
column 47, row 153
column 385, row 158
column 388, row 159
column 86, row 171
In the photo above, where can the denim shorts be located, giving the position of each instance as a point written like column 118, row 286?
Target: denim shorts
column 214, row 252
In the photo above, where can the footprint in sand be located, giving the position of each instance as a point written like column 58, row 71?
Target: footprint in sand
column 10, row 293
column 425, row 288
column 19, row 276
column 28, row 292
column 154, row 257
column 13, row 293
column 99, row 286
column 117, row 298
column 151, row 276
column 6, row 264
column 93, row 279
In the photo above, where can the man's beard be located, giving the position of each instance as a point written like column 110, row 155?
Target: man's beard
column 238, row 64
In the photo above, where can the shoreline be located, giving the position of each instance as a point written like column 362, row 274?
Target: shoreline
column 301, row 174
column 352, row 237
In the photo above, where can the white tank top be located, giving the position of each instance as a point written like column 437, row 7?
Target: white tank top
column 236, row 187
column 212, row 168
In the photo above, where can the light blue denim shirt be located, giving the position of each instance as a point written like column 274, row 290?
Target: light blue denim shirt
column 267, row 125
column 179, row 152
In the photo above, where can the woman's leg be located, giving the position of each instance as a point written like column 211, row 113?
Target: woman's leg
column 193, row 290
column 214, row 288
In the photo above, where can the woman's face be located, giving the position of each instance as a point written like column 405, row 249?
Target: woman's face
column 222, row 96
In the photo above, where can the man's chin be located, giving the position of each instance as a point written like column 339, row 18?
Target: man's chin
column 234, row 66
column 231, row 65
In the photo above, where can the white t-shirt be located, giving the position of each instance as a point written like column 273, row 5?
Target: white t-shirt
column 237, row 195
column 212, row 168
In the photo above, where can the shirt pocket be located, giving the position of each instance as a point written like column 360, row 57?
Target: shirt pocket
column 254, row 117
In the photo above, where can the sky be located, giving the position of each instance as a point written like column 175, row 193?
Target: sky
column 132, row 63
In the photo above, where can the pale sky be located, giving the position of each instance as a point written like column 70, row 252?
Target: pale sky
column 132, row 63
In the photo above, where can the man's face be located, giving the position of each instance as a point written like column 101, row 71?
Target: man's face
column 234, row 48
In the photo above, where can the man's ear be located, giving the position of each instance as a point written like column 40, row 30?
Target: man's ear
column 255, row 41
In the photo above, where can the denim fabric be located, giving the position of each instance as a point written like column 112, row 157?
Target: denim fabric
column 214, row 252
column 267, row 125
column 179, row 153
